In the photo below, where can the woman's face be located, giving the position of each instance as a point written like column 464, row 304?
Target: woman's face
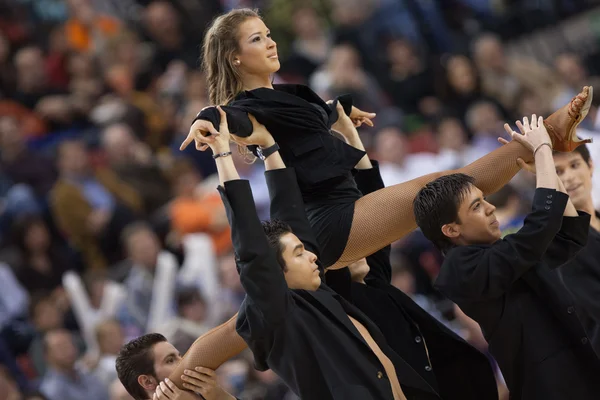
column 258, row 52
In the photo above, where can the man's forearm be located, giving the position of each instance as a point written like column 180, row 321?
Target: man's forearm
column 545, row 169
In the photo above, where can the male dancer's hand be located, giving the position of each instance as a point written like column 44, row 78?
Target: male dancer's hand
column 533, row 135
column 260, row 135
column 204, row 382
column 168, row 391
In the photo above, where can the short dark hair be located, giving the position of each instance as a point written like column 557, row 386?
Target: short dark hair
column 274, row 230
column 437, row 204
column 135, row 359
column 583, row 150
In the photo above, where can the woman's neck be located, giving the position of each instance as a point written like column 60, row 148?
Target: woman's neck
column 255, row 82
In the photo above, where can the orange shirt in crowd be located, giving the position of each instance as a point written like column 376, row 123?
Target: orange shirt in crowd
column 81, row 38
column 190, row 215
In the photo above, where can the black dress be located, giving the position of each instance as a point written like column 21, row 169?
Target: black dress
column 300, row 121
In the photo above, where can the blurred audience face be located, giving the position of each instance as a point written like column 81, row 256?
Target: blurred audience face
column 37, row 237
column 451, row 135
column 81, row 66
column 29, row 63
column 73, row 159
column 530, row 103
column 82, row 11
column 576, row 176
column 60, row 350
column 110, row 337
column 344, row 58
column 118, row 141
column 46, row 315
column 571, row 70
column 484, row 118
column 119, row 78
column 391, row 145
column 402, row 57
column 489, row 53
column 143, row 248
column 258, row 51
column 162, row 23
column 306, row 23
column 194, row 310
column 11, row 139
column 461, row 75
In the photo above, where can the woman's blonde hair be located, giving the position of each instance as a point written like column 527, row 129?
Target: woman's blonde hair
column 220, row 45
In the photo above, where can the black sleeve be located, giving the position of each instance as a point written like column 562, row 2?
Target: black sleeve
column 340, row 281
column 346, row 102
column 478, row 273
column 369, row 181
column 237, row 120
column 287, row 205
column 571, row 238
column 260, row 273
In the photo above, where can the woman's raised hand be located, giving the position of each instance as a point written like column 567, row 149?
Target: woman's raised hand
column 218, row 141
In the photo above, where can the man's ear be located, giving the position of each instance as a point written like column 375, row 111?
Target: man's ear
column 451, row 230
column 147, row 382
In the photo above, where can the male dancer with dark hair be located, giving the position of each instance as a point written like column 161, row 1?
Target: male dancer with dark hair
column 508, row 285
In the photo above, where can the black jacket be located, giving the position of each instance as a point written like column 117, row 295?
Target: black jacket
column 300, row 122
column 526, row 314
column 581, row 276
column 458, row 371
column 305, row 337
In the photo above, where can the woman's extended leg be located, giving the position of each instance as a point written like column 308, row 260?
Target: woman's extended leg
column 384, row 216
column 211, row 350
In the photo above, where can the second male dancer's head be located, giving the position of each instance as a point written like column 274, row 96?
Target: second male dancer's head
column 299, row 265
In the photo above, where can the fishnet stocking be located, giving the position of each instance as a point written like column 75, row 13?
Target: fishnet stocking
column 211, row 350
column 384, row 216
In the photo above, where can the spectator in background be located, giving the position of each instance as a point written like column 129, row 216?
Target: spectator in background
column 197, row 208
column 484, row 120
column 503, row 77
column 42, row 260
column 133, row 162
column 47, row 312
column 454, row 147
column 86, row 30
column 343, row 73
column 232, row 293
column 21, row 164
column 65, row 381
column 395, row 163
column 311, row 46
column 8, row 386
column 190, row 322
column 7, row 70
column 32, row 82
column 118, row 391
column 162, row 25
column 463, row 85
column 409, row 79
column 110, row 340
column 91, row 207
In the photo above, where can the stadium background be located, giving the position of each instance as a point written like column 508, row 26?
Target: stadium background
column 103, row 92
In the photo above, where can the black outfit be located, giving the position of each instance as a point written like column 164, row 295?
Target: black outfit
column 581, row 276
column 305, row 337
column 457, row 370
column 526, row 314
column 300, row 122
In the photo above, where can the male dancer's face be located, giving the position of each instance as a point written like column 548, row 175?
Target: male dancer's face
column 301, row 270
column 576, row 176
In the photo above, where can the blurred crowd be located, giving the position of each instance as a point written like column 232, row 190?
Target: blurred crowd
column 108, row 231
